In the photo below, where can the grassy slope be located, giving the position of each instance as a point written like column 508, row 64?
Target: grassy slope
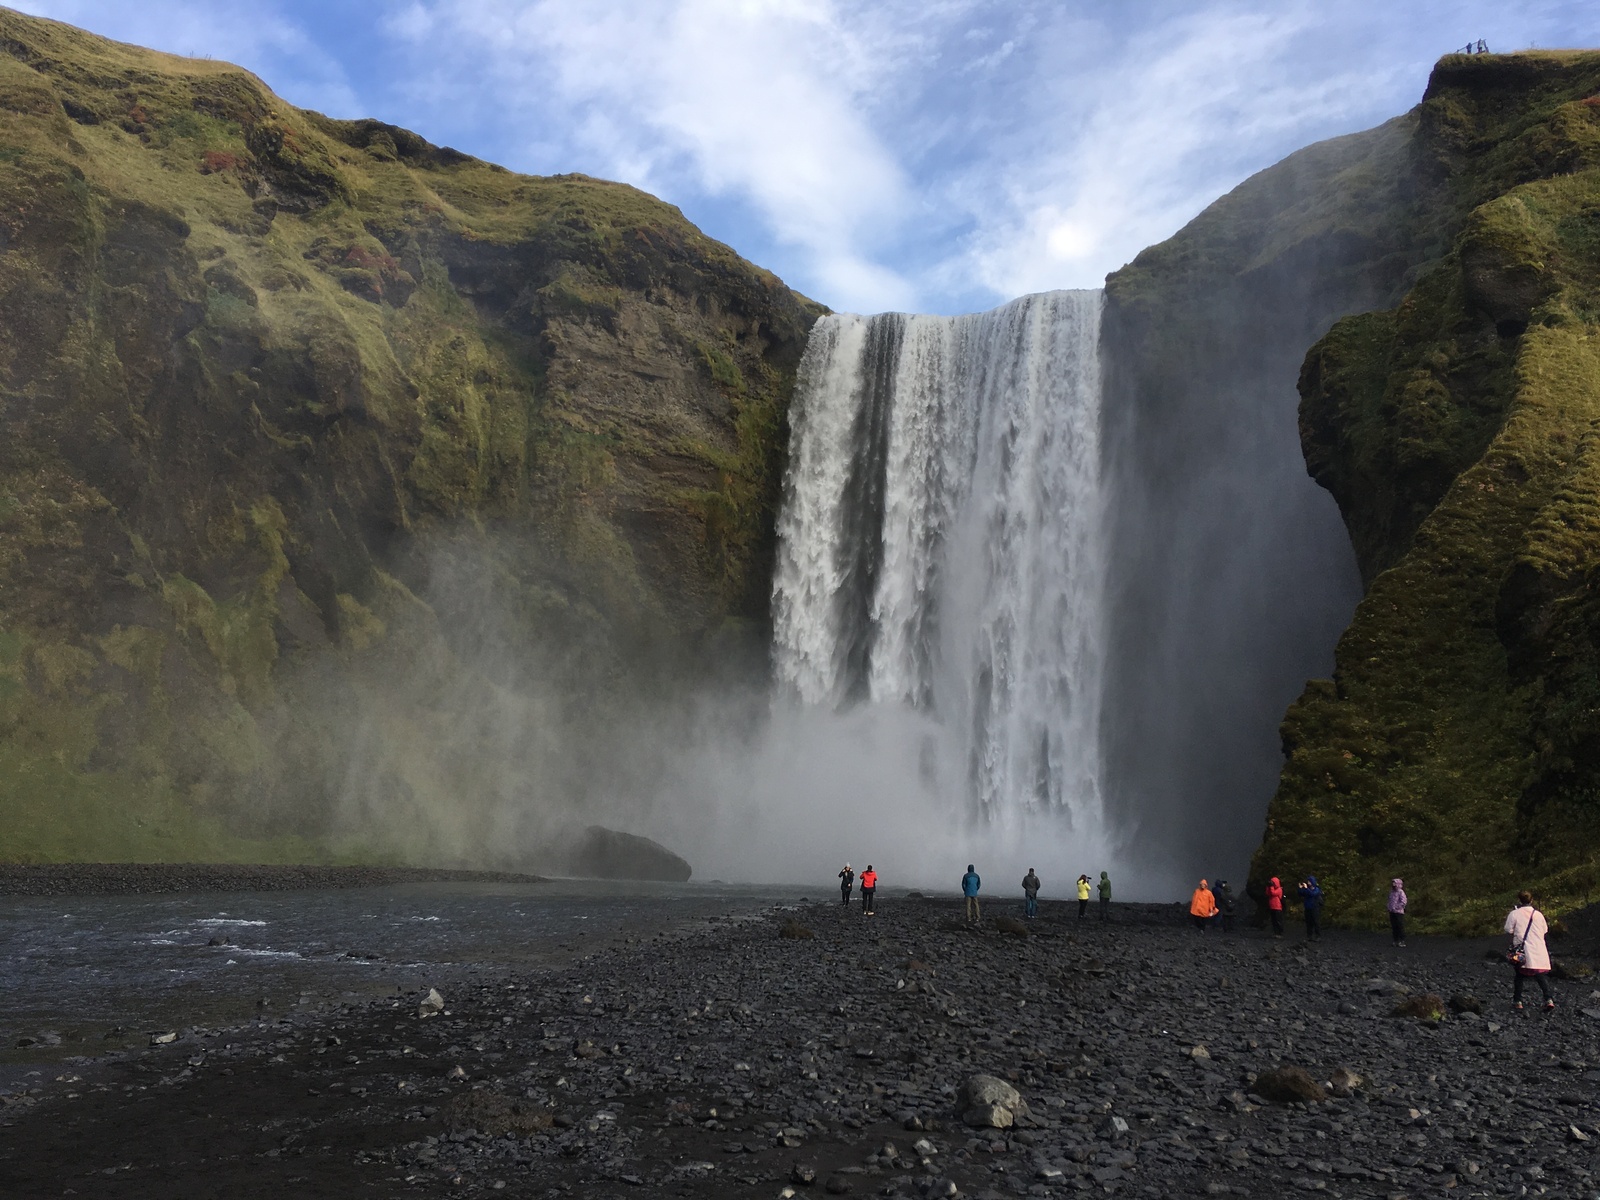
column 256, row 368
column 1455, row 744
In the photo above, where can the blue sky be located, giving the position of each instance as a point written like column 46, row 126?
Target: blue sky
column 936, row 155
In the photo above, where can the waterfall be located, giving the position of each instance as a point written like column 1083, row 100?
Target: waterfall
column 940, row 546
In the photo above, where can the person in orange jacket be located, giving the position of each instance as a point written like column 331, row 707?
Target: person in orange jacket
column 1275, row 905
column 869, row 887
column 1202, row 906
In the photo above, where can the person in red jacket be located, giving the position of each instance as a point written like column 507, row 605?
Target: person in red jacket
column 869, row 885
column 1275, row 905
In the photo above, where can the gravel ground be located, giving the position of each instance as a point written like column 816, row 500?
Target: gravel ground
column 729, row 1060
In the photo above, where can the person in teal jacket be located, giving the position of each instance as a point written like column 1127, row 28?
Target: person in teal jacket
column 969, row 888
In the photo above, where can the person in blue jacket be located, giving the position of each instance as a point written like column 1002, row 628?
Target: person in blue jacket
column 1311, row 901
column 969, row 888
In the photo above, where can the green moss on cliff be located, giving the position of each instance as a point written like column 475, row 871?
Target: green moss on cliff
column 1451, row 747
column 261, row 372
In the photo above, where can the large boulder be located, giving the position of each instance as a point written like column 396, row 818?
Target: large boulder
column 601, row 853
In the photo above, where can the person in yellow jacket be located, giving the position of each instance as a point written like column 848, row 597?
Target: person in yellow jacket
column 1083, row 896
column 1202, row 906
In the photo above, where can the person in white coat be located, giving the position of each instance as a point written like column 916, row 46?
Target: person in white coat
column 1529, row 957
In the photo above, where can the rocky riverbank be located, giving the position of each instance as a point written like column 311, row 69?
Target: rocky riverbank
column 128, row 879
column 813, row 1051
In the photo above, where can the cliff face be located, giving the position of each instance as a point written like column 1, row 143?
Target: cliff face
column 303, row 422
column 1458, row 742
column 1230, row 572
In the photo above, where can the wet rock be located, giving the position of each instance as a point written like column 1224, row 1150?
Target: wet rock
column 1462, row 1003
column 804, row 1174
column 838, row 1185
column 794, row 930
column 1012, row 926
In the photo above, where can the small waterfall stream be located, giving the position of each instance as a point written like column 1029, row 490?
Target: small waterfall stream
column 940, row 543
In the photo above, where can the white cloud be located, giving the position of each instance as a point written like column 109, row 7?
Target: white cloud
column 257, row 36
column 764, row 101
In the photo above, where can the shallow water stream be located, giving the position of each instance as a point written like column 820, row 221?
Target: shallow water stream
column 86, row 975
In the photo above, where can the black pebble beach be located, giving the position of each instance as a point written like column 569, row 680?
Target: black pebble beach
column 812, row 1051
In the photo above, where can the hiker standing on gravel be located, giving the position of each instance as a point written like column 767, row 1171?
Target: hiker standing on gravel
column 847, row 879
column 869, row 888
column 969, row 888
column 1275, row 905
column 1030, row 894
column 1105, row 896
column 1397, row 911
column 1202, row 906
column 1083, row 896
column 1225, row 904
column 1311, row 901
column 1529, row 956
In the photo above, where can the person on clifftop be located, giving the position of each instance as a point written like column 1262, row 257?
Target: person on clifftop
column 1083, row 896
column 1030, row 895
column 969, row 888
column 1529, row 955
column 1202, row 907
column 1397, row 911
column 1105, row 896
column 1311, row 901
column 869, row 889
column 1275, row 905
column 847, row 879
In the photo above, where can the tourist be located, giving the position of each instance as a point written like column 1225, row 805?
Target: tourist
column 1529, row 956
column 1311, row 901
column 869, row 888
column 1202, row 906
column 1030, row 893
column 969, row 888
column 1225, row 904
column 1397, row 911
column 1275, row 905
column 1083, row 896
column 1105, row 896
column 847, row 879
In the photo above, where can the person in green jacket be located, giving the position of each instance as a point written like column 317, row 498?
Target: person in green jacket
column 1105, row 896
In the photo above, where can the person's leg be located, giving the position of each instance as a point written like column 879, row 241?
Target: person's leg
column 1105, row 910
column 1544, row 990
column 1516, row 987
column 1277, row 921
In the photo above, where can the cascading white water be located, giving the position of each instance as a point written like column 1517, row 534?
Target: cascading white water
column 939, row 545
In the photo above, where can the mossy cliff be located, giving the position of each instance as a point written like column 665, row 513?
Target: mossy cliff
column 303, row 422
column 1458, row 741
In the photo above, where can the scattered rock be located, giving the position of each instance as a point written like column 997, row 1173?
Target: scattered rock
column 431, row 1003
column 838, row 1185
column 804, row 1174
column 163, row 1039
column 1463, row 1003
column 1288, row 1084
column 1424, row 1007
column 1113, row 1128
column 1012, row 926
column 494, row 1113
column 988, row 1116
column 793, row 929
column 1344, row 1082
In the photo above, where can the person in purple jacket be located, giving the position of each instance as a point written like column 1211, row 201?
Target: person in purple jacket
column 1397, row 911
